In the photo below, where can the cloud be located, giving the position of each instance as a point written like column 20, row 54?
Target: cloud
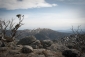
column 73, row 1
column 64, row 20
column 24, row 4
column 76, row 1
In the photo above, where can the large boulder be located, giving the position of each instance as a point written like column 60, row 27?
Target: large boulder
column 71, row 53
column 27, row 49
column 57, row 47
column 46, row 43
column 27, row 40
column 36, row 44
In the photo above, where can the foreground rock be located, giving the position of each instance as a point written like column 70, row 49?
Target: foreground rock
column 27, row 49
column 57, row 47
column 49, row 53
column 39, row 51
column 13, row 52
column 36, row 55
column 71, row 53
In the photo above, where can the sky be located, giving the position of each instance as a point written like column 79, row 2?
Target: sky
column 53, row 14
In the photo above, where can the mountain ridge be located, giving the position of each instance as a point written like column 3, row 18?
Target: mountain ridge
column 42, row 33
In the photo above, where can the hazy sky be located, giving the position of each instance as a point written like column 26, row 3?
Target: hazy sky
column 53, row 14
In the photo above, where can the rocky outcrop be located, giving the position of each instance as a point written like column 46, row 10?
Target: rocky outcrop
column 31, row 47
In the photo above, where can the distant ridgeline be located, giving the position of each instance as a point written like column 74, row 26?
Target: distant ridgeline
column 41, row 34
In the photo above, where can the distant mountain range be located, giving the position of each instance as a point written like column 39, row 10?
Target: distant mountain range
column 42, row 34
column 65, row 31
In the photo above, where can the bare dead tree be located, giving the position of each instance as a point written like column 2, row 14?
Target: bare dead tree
column 80, row 40
column 77, row 31
column 10, row 25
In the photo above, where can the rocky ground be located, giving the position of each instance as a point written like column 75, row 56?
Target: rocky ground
column 31, row 47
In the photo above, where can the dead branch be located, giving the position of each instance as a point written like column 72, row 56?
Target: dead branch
column 9, row 25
